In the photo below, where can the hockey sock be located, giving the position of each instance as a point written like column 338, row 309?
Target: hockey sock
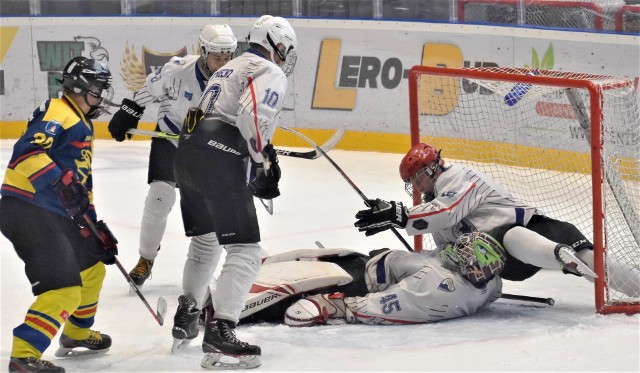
column 202, row 260
column 78, row 324
column 530, row 247
column 157, row 206
column 43, row 320
column 240, row 270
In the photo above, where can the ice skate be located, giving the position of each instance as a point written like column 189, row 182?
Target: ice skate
column 571, row 263
column 185, row 323
column 33, row 364
column 96, row 343
column 141, row 272
column 222, row 350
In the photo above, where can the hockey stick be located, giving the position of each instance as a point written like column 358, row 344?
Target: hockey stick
column 162, row 303
column 328, row 145
column 525, row 298
column 344, row 175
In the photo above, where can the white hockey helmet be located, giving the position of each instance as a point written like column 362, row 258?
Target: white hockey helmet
column 269, row 32
column 217, row 39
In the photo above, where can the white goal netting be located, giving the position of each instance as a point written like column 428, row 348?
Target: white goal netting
column 533, row 135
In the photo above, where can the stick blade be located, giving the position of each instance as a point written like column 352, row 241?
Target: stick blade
column 268, row 205
column 161, row 310
column 333, row 141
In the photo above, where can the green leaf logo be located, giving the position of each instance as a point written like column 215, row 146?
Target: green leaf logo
column 547, row 61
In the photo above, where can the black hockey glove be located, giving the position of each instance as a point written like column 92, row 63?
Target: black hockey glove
column 265, row 183
column 108, row 241
column 381, row 215
column 73, row 195
column 125, row 119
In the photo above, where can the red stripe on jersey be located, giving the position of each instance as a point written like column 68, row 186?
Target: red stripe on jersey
column 44, row 325
column 22, row 158
column 42, row 171
column 393, row 321
column 81, row 144
column 16, row 190
column 456, row 203
column 255, row 112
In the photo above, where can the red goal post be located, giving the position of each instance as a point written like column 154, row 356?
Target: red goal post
column 568, row 143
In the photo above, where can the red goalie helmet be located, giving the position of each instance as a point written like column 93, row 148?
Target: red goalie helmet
column 421, row 156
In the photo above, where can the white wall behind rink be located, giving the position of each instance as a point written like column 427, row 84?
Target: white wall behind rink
column 348, row 72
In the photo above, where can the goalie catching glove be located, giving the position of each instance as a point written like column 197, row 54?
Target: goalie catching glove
column 125, row 119
column 380, row 216
column 265, row 183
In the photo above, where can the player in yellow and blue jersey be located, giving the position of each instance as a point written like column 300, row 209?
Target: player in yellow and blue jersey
column 46, row 197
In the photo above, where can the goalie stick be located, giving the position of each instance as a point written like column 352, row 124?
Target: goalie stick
column 162, row 303
column 328, row 145
column 344, row 175
column 526, row 298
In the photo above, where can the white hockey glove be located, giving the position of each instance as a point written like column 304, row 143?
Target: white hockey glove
column 381, row 215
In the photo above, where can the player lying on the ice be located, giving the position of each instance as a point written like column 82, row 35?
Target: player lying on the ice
column 390, row 287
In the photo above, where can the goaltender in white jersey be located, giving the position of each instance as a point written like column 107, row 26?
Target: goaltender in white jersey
column 400, row 287
column 408, row 288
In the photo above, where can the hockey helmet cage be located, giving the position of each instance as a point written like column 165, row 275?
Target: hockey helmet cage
column 421, row 156
column 218, row 39
column 271, row 32
column 477, row 256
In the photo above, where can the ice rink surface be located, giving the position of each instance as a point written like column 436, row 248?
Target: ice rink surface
column 317, row 204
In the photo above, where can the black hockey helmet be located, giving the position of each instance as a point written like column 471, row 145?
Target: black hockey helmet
column 86, row 76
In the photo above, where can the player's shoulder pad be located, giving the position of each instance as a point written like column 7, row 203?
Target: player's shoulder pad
column 177, row 60
column 179, row 67
column 59, row 112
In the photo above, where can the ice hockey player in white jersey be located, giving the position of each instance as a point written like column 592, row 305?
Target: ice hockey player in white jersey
column 411, row 288
column 224, row 159
column 459, row 200
column 174, row 87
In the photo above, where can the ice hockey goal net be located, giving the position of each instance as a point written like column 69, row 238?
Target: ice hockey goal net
column 565, row 142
